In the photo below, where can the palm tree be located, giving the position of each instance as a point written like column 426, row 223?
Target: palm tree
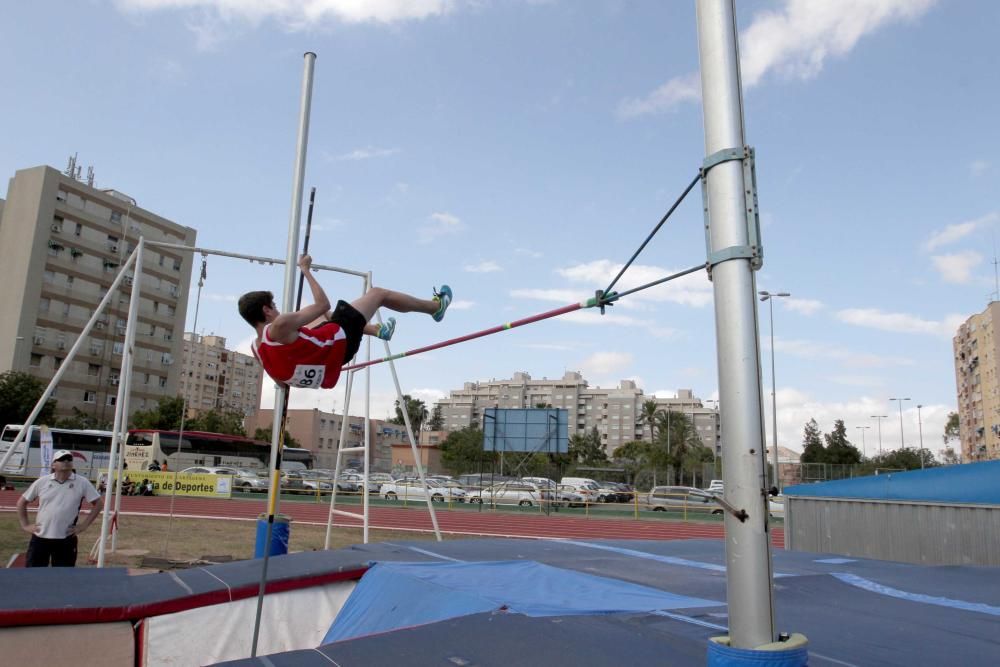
column 416, row 410
column 648, row 415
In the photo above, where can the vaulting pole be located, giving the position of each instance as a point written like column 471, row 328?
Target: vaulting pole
column 280, row 395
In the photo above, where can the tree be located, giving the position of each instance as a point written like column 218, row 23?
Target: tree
column 416, row 410
column 676, row 439
column 838, row 448
column 264, row 435
column 166, row 416
column 587, row 449
column 218, row 421
column 902, row 459
column 19, row 392
column 647, row 417
column 949, row 457
column 812, row 444
column 462, row 451
column 436, row 422
column 634, row 456
column 81, row 420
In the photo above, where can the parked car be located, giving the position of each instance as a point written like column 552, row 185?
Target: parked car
column 414, row 490
column 311, row 479
column 572, row 498
column 589, row 491
column 662, row 498
column 357, row 481
column 508, row 493
column 293, row 482
column 611, row 492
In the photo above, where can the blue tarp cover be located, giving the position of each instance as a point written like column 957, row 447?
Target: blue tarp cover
column 971, row 483
column 391, row 596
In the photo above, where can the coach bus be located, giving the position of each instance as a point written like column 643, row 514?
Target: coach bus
column 91, row 450
column 206, row 449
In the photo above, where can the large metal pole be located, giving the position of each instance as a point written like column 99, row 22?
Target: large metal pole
column 748, row 545
column 774, row 401
column 879, row 418
column 287, row 301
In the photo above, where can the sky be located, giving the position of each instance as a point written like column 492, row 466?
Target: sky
column 520, row 151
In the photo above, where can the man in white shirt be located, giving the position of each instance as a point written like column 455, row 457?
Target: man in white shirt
column 60, row 495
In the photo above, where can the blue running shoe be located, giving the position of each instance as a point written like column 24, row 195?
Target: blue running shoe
column 386, row 330
column 444, row 300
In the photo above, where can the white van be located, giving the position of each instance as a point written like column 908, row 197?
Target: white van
column 577, row 481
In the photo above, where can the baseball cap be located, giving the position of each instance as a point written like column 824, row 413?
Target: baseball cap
column 62, row 453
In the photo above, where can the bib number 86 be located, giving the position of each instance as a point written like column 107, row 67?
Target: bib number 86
column 307, row 376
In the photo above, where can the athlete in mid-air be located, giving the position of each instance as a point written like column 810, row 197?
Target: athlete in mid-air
column 307, row 348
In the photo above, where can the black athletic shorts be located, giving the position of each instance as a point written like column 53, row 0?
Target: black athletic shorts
column 58, row 552
column 353, row 323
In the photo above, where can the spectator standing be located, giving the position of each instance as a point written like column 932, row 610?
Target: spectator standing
column 60, row 496
column 163, row 466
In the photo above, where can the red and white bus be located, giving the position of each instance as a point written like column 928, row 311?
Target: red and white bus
column 91, row 450
column 206, row 449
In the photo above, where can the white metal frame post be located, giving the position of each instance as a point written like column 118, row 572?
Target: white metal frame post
column 748, row 548
column 121, row 417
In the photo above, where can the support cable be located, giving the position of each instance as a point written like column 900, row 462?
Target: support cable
column 596, row 301
column 687, row 190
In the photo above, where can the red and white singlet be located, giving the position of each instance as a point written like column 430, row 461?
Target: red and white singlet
column 313, row 361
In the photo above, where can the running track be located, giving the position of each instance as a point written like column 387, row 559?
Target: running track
column 416, row 518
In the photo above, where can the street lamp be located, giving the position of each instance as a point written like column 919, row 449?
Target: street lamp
column 920, row 425
column 769, row 297
column 880, row 418
column 902, row 444
column 864, row 450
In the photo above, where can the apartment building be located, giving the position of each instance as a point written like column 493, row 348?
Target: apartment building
column 62, row 242
column 614, row 412
column 216, row 378
column 976, row 349
column 319, row 432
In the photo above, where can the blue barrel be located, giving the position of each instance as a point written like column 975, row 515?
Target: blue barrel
column 279, row 536
column 790, row 652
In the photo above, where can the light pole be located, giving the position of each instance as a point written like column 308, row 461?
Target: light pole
column 920, row 425
column 864, row 450
column 769, row 297
column 902, row 443
column 880, row 418
column 17, row 350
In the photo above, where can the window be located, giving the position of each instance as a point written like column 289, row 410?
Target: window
column 118, row 348
column 177, row 265
column 49, row 276
column 93, row 369
column 112, row 399
column 116, row 217
column 43, row 305
column 36, row 360
column 58, row 362
column 69, row 281
column 90, row 397
column 163, row 382
column 79, row 229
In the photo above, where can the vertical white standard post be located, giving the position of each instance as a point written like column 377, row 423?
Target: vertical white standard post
column 748, row 549
column 121, row 417
column 288, row 303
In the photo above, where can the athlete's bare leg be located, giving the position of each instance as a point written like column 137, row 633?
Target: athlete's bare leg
column 397, row 301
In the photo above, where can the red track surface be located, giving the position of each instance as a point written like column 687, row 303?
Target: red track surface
column 415, row 517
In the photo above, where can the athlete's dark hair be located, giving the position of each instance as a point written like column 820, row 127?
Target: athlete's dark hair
column 252, row 304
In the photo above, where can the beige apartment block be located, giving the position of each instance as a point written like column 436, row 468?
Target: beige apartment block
column 215, row 378
column 62, row 242
column 614, row 412
column 319, row 432
column 976, row 359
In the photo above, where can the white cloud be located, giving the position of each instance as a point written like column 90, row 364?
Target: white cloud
column 958, row 231
column 818, row 350
column 979, row 167
column 527, row 252
column 487, row 266
column 794, row 41
column 301, row 14
column 366, row 153
column 804, row 306
column 874, row 318
column 605, row 363
column 957, row 267
column 669, row 96
column 439, row 224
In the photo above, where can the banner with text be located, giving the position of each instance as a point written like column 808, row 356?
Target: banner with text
column 183, row 484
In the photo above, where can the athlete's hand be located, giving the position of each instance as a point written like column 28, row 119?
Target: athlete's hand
column 305, row 262
column 29, row 529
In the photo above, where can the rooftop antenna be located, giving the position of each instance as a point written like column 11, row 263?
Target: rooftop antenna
column 90, row 176
column 71, row 165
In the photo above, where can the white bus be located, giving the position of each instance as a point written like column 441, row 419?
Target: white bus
column 91, row 450
column 144, row 446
